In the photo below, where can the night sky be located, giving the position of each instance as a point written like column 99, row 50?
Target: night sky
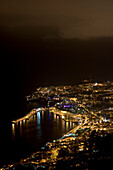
column 50, row 42
column 74, row 18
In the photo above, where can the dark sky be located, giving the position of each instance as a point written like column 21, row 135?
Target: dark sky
column 50, row 42
column 74, row 18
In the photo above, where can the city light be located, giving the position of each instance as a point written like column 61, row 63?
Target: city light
column 89, row 114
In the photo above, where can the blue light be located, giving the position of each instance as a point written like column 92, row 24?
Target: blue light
column 38, row 117
column 49, row 116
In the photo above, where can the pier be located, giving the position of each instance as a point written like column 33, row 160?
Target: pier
column 30, row 114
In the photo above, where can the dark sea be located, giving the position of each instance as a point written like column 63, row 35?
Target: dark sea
column 21, row 140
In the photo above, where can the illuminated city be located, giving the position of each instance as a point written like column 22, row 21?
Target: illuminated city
column 89, row 106
column 57, row 84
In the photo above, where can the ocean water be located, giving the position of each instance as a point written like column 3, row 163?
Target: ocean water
column 21, row 140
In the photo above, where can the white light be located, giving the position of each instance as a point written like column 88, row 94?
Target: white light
column 96, row 84
column 39, row 109
column 63, row 117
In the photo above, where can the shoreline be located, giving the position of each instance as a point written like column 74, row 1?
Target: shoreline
column 62, row 114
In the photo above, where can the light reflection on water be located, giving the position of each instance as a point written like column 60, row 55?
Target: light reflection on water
column 38, row 117
column 30, row 135
column 67, row 125
column 54, row 116
column 63, row 124
column 13, row 131
column 39, row 121
column 21, row 127
column 35, row 118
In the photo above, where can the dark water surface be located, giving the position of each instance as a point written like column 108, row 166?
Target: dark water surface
column 21, row 140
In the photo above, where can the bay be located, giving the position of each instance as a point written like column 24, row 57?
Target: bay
column 19, row 141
